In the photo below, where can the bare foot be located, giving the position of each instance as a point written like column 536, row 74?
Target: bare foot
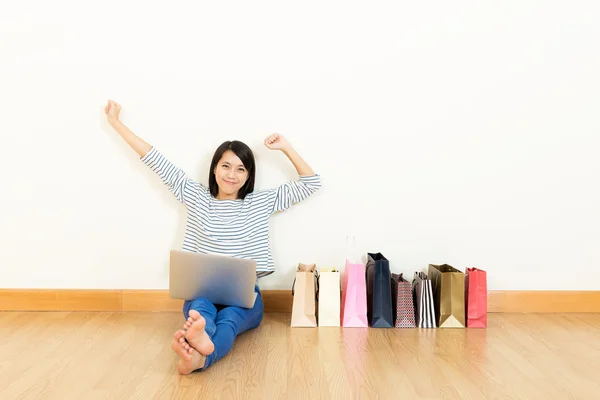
column 195, row 334
column 189, row 359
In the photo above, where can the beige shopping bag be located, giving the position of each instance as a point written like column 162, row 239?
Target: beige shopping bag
column 329, row 297
column 304, row 292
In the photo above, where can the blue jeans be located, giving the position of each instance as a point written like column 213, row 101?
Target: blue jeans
column 224, row 324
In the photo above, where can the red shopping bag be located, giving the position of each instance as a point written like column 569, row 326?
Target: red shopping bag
column 476, row 298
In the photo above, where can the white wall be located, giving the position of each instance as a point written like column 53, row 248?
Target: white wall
column 446, row 132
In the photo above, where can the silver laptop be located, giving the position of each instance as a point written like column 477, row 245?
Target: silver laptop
column 220, row 279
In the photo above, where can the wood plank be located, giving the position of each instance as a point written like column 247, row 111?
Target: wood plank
column 88, row 300
column 276, row 301
column 59, row 300
column 519, row 356
column 150, row 300
column 27, row 300
column 543, row 301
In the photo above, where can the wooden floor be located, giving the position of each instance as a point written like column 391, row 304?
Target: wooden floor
column 128, row 356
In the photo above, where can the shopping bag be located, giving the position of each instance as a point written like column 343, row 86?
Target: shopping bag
column 476, row 298
column 354, row 296
column 423, row 299
column 449, row 295
column 329, row 297
column 379, row 292
column 304, row 292
column 404, row 308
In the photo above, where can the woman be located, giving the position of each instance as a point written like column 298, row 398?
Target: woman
column 226, row 218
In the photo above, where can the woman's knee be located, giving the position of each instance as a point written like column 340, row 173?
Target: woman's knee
column 255, row 318
column 202, row 305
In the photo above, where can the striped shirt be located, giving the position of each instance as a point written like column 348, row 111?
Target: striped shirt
column 235, row 228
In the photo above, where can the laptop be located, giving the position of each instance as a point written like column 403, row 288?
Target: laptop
column 222, row 280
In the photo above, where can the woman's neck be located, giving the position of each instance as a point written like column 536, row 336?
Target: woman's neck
column 221, row 196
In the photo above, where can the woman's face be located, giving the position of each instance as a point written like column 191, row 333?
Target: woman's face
column 230, row 175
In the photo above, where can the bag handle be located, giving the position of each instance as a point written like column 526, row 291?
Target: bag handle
column 317, row 285
column 315, row 274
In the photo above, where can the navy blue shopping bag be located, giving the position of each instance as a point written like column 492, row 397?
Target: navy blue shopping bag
column 379, row 292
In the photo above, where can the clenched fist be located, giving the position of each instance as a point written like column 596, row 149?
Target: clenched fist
column 112, row 110
column 276, row 142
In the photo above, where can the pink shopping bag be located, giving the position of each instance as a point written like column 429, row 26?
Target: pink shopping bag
column 354, row 296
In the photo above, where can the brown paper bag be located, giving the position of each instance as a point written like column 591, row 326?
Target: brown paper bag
column 304, row 292
column 449, row 295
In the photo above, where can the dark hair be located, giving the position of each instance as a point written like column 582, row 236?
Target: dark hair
column 245, row 155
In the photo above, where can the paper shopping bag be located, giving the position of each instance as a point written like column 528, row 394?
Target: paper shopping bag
column 476, row 298
column 449, row 295
column 404, row 308
column 423, row 299
column 379, row 292
column 329, row 297
column 354, row 296
column 304, row 292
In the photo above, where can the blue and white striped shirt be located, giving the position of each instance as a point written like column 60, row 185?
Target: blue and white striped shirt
column 235, row 228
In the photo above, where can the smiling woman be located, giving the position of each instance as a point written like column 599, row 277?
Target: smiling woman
column 232, row 171
column 228, row 218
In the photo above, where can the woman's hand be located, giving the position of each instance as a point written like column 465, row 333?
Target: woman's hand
column 112, row 111
column 277, row 142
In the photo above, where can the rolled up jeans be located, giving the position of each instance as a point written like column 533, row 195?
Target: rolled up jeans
column 225, row 323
